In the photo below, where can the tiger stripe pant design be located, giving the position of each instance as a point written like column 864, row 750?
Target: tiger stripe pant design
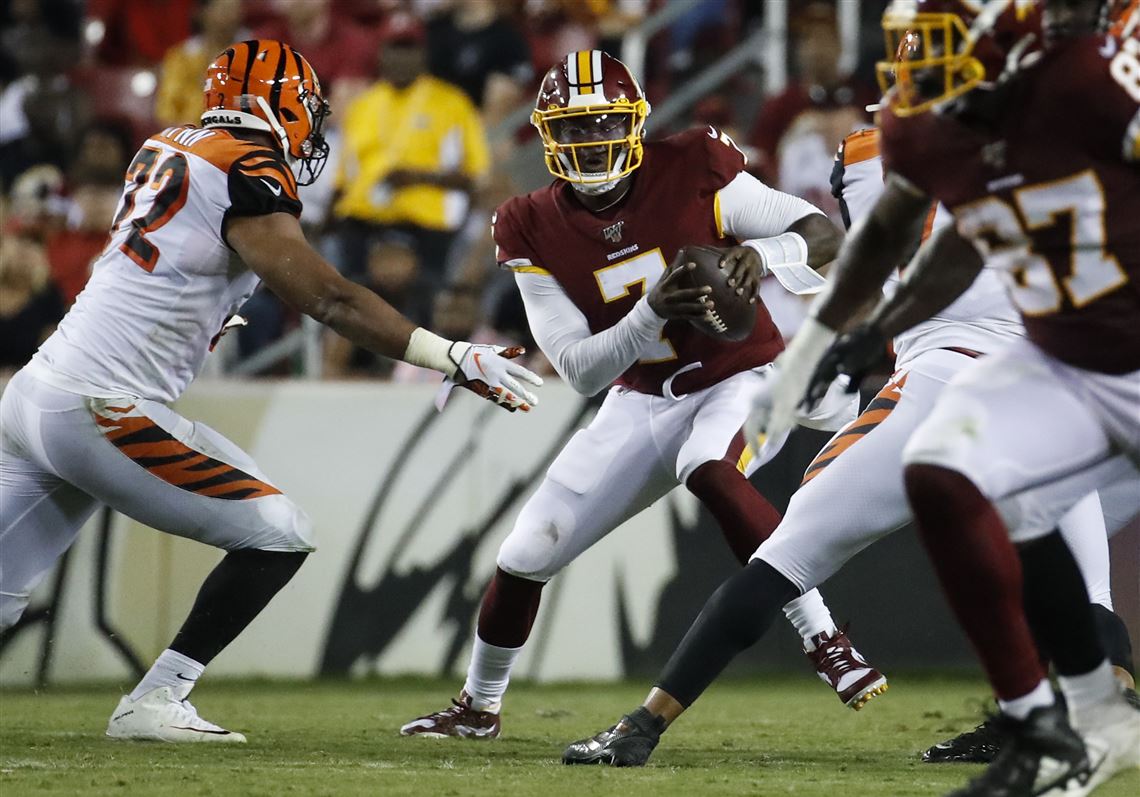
column 852, row 494
column 62, row 455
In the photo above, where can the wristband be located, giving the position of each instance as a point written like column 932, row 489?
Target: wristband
column 428, row 350
column 786, row 249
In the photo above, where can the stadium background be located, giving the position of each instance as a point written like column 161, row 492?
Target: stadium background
column 409, row 505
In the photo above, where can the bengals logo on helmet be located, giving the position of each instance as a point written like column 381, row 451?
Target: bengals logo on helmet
column 267, row 85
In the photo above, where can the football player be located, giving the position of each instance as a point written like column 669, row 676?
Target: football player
column 1039, row 168
column 591, row 255
column 87, row 421
column 853, row 494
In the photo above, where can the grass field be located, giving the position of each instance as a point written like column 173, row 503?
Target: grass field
column 776, row 737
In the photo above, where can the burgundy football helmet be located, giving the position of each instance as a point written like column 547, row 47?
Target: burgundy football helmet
column 590, row 112
column 938, row 50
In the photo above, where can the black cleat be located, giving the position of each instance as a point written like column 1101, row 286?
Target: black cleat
column 627, row 744
column 979, row 746
column 1040, row 753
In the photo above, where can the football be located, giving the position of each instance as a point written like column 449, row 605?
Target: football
column 732, row 317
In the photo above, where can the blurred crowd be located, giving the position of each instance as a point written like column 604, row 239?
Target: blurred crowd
column 424, row 136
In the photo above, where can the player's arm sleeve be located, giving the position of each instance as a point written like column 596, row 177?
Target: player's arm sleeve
column 746, row 209
column 588, row 362
column 260, row 184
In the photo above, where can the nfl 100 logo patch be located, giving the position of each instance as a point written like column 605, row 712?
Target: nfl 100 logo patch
column 613, row 232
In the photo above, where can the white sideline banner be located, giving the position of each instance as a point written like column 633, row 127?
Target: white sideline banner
column 409, row 507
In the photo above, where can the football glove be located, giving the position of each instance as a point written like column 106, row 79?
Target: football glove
column 487, row 371
column 854, row 354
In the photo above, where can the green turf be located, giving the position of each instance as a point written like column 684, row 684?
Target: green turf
column 775, row 737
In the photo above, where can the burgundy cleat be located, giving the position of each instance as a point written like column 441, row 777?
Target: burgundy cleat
column 459, row 720
column 842, row 668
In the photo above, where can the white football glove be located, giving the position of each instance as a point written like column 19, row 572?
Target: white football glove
column 789, row 382
column 488, row 371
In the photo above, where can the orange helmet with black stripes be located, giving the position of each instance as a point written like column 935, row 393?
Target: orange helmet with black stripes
column 267, row 85
column 590, row 112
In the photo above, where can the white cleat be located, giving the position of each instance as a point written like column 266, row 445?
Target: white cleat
column 163, row 715
column 1111, row 732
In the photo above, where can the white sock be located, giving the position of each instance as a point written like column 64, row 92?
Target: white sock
column 809, row 616
column 1090, row 689
column 488, row 674
column 1019, row 707
column 170, row 669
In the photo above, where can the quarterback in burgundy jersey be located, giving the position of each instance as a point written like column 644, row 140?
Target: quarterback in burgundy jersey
column 1030, row 135
column 591, row 253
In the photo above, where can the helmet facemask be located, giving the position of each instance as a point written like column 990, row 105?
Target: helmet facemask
column 314, row 147
column 593, row 147
column 931, row 61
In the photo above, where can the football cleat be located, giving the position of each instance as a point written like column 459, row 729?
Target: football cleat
column 842, row 668
column 1133, row 698
column 458, row 720
column 165, row 715
column 627, row 744
column 1041, row 755
column 979, row 746
column 1111, row 731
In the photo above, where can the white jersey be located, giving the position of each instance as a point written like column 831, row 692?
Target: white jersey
column 982, row 319
column 166, row 283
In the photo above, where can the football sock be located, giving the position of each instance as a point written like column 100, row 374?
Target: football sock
column 745, row 517
column 1019, row 707
column 1057, row 605
column 733, row 619
column 488, row 674
column 809, row 616
column 169, row 669
column 979, row 572
column 508, row 609
column 1090, row 689
column 231, row 596
column 1114, row 637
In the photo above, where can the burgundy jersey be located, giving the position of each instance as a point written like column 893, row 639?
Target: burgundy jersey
column 1052, row 193
column 606, row 261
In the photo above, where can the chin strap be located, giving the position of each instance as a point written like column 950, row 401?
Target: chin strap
column 594, row 189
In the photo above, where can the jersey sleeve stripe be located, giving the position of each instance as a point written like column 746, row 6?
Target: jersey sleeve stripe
column 717, row 215
column 860, row 146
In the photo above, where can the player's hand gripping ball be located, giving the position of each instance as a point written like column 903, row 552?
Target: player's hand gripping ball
column 730, row 309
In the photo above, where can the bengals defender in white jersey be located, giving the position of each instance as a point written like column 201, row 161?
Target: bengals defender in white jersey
column 87, row 422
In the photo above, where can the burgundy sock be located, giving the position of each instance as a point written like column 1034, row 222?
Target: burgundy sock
column 508, row 611
column 745, row 517
column 980, row 574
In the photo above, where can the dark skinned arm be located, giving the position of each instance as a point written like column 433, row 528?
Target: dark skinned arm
column 744, row 266
column 874, row 248
column 275, row 248
column 944, row 267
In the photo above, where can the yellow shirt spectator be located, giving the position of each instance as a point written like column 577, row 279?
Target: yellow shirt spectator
column 391, row 135
column 179, row 96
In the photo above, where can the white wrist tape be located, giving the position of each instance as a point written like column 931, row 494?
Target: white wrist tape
column 785, row 258
column 428, row 350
